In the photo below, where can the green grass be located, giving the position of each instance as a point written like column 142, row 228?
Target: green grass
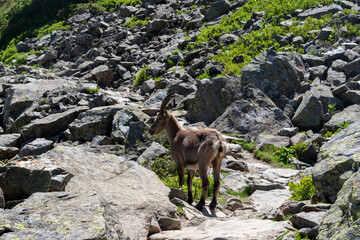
column 92, row 90
column 242, row 194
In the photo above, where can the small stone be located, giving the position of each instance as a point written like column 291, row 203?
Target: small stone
column 167, row 224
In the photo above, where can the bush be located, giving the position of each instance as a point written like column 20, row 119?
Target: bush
column 302, row 190
column 284, row 155
column 135, row 22
column 298, row 149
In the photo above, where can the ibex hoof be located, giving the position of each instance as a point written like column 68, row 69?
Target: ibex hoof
column 212, row 204
column 190, row 201
column 199, row 207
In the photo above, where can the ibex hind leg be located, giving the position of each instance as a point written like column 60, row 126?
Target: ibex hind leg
column 216, row 174
column 191, row 174
column 205, row 187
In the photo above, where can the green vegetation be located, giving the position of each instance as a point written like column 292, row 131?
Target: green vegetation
column 331, row 109
column 243, row 194
column 204, row 75
column 92, row 90
column 135, row 22
column 274, row 155
column 298, row 149
column 302, row 190
column 284, row 155
column 181, row 210
column 169, row 62
column 141, row 77
column 335, row 130
column 248, row 146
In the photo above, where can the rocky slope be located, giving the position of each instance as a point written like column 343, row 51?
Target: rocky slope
column 71, row 165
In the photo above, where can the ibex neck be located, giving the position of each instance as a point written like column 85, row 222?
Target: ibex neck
column 173, row 128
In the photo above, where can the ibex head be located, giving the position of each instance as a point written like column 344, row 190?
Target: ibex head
column 162, row 118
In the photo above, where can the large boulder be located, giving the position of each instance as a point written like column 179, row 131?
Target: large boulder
column 20, row 97
column 9, row 140
column 19, row 183
column 36, row 147
column 93, row 122
column 217, row 9
column 51, row 125
column 275, row 74
column 134, row 193
column 338, row 160
column 318, row 12
column 212, row 98
column 254, row 114
column 129, row 125
column 314, row 105
column 341, row 221
column 61, row 216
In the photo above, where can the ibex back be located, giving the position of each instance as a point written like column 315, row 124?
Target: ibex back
column 194, row 150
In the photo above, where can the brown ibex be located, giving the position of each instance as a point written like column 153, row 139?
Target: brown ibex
column 192, row 149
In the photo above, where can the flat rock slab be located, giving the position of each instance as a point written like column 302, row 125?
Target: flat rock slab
column 280, row 175
column 231, row 228
column 307, row 219
column 56, row 216
column 269, row 200
column 135, row 193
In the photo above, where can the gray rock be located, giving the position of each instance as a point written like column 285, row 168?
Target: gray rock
column 336, row 78
column 36, row 147
column 313, row 60
column 346, row 4
column 93, row 122
column 19, row 183
column 9, row 140
column 155, row 150
column 22, row 47
column 101, row 140
column 313, row 106
column 325, row 33
column 8, row 152
column 85, row 39
column 134, row 193
column 233, row 203
column 212, row 98
column 334, row 54
column 353, row 67
column 228, row 39
column 103, row 74
column 178, row 193
column 349, row 114
column 46, row 58
column 337, row 161
column 237, row 165
column 271, row 70
column 338, row 64
column 307, row 219
column 50, row 125
column 298, row 40
column 63, row 215
column 288, row 132
column 2, row 199
column 318, row 12
column 291, row 207
column 81, row 17
column 167, row 223
column 352, row 96
column 278, row 141
column 125, row 123
column 318, row 71
column 217, row 9
column 351, row 55
column 298, row 138
column 253, row 115
column 157, row 25
column 336, row 224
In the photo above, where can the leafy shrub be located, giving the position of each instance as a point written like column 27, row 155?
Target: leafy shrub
column 284, row 155
column 169, row 62
column 141, row 77
column 92, row 90
column 331, row 109
column 164, row 166
column 135, row 22
column 302, row 190
column 298, row 149
column 204, row 75
column 336, row 129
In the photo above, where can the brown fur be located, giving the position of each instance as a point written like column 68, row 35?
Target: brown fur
column 204, row 147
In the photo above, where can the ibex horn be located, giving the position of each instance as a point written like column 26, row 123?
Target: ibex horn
column 166, row 101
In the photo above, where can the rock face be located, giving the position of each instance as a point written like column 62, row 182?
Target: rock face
column 338, row 160
column 341, row 221
column 275, row 74
column 134, row 193
column 349, row 114
column 254, row 114
column 212, row 98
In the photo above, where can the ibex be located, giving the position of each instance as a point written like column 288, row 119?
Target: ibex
column 192, row 149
